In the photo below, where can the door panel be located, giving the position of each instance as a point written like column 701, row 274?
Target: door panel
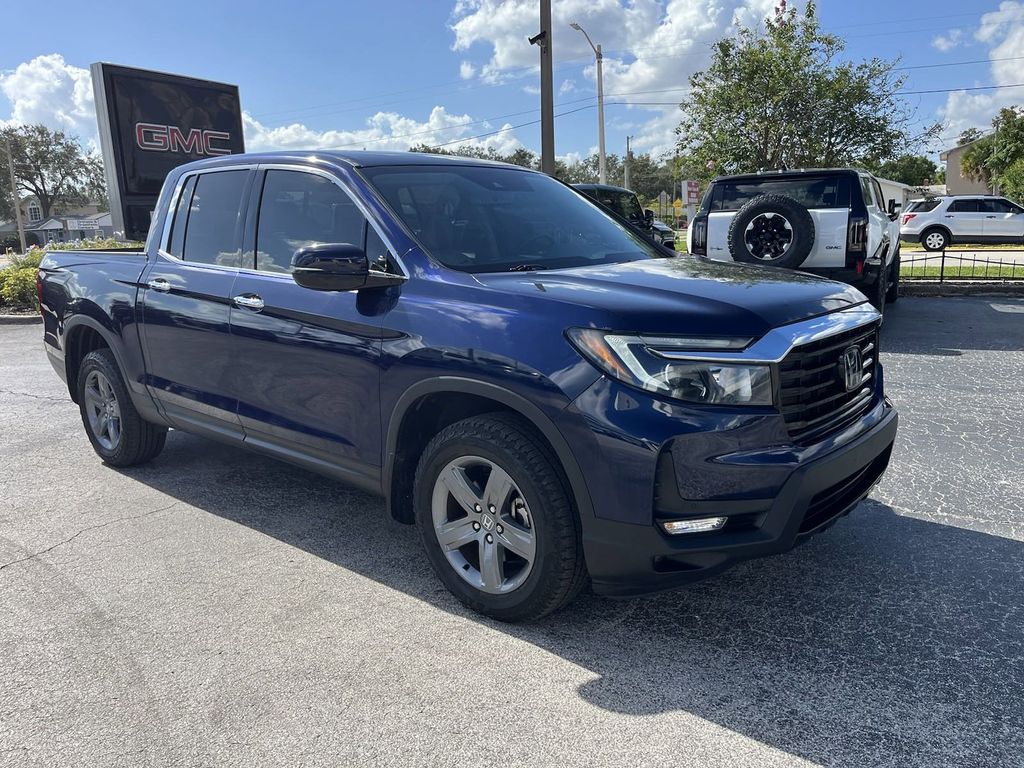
column 306, row 363
column 965, row 219
column 307, row 369
column 185, row 303
column 1003, row 221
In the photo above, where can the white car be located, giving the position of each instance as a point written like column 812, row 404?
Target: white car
column 832, row 222
column 939, row 222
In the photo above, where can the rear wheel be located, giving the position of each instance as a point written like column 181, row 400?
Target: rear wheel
column 893, row 292
column 934, row 239
column 496, row 520
column 118, row 434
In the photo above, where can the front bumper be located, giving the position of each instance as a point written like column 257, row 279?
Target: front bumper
column 649, row 460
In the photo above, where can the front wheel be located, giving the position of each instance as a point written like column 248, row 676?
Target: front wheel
column 496, row 519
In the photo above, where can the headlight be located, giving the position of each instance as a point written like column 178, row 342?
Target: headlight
column 660, row 365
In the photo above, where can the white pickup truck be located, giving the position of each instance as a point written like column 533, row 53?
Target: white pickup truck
column 832, row 222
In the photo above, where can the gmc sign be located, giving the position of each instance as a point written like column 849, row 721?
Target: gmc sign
column 170, row 138
column 152, row 122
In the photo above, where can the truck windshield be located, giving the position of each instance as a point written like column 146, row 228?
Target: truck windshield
column 484, row 219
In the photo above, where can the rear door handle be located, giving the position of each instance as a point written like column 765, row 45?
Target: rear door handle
column 990, row 217
column 159, row 284
column 255, row 303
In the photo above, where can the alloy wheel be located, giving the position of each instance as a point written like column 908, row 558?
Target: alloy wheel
column 102, row 410
column 935, row 240
column 768, row 236
column 483, row 523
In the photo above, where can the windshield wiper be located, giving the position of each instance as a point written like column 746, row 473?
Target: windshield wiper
column 526, row 268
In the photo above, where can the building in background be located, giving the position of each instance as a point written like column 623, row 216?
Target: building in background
column 72, row 223
column 956, row 182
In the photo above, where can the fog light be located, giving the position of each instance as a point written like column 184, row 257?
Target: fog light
column 699, row 525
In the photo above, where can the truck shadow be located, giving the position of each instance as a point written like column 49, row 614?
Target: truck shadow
column 952, row 325
column 888, row 639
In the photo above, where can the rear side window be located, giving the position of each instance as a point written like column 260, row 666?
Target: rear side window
column 923, row 206
column 211, row 233
column 965, row 206
column 177, row 242
column 298, row 209
column 999, row 206
column 809, row 191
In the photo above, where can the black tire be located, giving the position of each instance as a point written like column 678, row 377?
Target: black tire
column 138, row 441
column 876, row 292
column 772, row 230
column 893, row 293
column 558, row 571
column 935, row 239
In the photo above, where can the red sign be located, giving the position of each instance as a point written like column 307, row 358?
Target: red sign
column 692, row 190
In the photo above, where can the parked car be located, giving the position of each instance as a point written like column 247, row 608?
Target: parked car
column 939, row 222
column 548, row 396
column 833, row 222
column 626, row 204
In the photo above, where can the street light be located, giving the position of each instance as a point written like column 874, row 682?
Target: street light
column 602, row 165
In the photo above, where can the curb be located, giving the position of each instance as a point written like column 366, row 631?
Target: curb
column 989, row 288
column 20, row 319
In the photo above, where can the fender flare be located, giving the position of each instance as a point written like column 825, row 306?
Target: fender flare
column 517, row 403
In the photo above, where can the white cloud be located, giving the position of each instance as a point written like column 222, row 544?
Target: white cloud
column 382, row 131
column 466, row 70
column 648, row 45
column 568, row 86
column 49, row 90
column 948, row 41
column 1003, row 31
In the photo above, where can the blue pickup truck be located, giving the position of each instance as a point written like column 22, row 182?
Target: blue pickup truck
column 552, row 399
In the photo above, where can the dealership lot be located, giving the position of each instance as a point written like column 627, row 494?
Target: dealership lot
column 216, row 607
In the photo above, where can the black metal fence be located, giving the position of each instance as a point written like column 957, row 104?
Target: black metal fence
column 962, row 265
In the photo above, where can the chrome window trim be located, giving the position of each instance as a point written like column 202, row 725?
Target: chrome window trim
column 172, row 205
column 342, row 186
column 774, row 346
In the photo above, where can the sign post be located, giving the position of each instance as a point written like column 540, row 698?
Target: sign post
column 152, row 122
column 691, row 194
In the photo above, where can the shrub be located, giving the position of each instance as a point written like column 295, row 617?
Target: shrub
column 92, row 244
column 18, row 287
column 30, row 259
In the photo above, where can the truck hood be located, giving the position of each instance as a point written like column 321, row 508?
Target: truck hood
column 683, row 294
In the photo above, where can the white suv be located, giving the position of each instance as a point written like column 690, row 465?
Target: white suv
column 943, row 221
column 833, row 222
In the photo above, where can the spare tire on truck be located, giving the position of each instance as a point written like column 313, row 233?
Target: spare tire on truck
column 771, row 230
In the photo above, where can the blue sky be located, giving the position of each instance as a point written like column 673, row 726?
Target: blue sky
column 388, row 74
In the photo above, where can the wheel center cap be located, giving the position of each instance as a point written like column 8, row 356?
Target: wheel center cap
column 487, row 522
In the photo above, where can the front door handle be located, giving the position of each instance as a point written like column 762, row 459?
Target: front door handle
column 159, row 284
column 990, row 217
column 255, row 303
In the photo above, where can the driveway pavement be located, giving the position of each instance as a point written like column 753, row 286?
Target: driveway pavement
column 217, row 608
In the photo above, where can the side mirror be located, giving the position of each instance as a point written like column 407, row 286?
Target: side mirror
column 892, row 207
column 648, row 217
column 337, row 267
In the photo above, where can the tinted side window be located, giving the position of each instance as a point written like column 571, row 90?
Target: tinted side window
column 298, row 209
column 923, row 206
column 999, row 206
column 964, row 206
column 211, row 235
column 177, row 241
column 865, row 187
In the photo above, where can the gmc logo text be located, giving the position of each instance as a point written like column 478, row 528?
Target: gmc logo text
column 170, row 138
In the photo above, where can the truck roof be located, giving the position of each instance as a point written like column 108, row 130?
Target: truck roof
column 356, row 158
column 603, row 187
column 792, row 172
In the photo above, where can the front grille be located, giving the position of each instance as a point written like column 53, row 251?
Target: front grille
column 814, row 399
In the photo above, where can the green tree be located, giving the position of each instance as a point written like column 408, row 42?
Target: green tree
column 52, row 165
column 998, row 157
column 912, row 170
column 784, row 98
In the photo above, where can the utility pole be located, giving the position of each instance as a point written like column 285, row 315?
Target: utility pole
column 601, row 158
column 625, row 165
column 547, row 91
column 14, row 197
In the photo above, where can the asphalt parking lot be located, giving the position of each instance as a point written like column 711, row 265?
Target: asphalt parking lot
column 217, row 608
